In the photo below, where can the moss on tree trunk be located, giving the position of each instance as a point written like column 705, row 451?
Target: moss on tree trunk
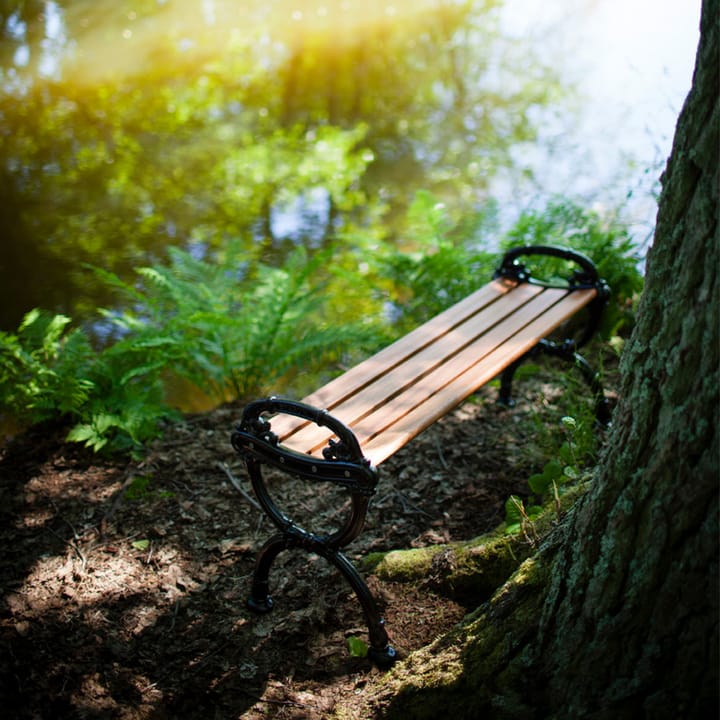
column 473, row 570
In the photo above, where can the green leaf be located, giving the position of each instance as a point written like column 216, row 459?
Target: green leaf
column 552, row 470
column 141, row 544
column 539, row 483
column 533, row 511
column 513, row 510
column 81, row 433
column 357, row 647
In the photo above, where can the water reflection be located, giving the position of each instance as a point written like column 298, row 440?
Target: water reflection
column 128, row 128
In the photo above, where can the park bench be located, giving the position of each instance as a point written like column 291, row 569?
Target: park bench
column 342, row 432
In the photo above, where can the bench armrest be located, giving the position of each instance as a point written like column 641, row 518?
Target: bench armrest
column 343, row 463
column 586, row 277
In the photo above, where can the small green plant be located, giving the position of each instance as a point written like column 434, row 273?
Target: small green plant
column 566, row 467
column 521, row 518
column 138, row 488
column 357, row 647
column 549, row 484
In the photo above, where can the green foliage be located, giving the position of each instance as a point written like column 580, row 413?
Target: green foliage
column 236, row 327
column 229, row 325
column 442, row 266
column 571, row 455
column 43, row 368
column 357, row 647
column 608, row 244
column 47, row 370
column 519, row 518
column 444, row 258
column 233, row 327
column 140, row 137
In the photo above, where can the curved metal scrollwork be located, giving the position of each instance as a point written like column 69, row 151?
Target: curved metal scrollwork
column 342, row 464
column 586, row 277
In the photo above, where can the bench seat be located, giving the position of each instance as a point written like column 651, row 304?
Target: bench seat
column 394, row 395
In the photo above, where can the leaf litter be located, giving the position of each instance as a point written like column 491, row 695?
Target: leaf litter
column 131, row 604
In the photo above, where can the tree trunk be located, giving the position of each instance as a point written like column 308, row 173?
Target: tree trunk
column 617, row 615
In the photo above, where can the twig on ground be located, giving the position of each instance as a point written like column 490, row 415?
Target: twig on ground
column 438, row 447
column 74, row 546
column 117, row 499
column 236, row 484
column 409, row 507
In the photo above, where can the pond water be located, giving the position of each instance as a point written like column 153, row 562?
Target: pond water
column 129, row 127
column 631, row 62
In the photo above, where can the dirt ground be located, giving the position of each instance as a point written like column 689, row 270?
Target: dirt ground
column 124, row 583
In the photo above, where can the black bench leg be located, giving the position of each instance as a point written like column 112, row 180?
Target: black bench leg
column 566, row 351
column 380, row 650
column 505, row 396
column 260, row 600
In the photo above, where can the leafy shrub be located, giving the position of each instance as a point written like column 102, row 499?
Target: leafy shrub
column 445, row 260
column 48, row 370
column 233, row 329
column 44, row 368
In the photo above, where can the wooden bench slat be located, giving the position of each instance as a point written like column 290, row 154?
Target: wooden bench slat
column 365, row 372
column 379, row 402
column 379, row 447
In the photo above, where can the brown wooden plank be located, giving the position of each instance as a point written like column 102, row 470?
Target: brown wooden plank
column 384, row 398
column 383, row 444
column 334, row 392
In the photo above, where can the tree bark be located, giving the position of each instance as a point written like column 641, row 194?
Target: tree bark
column 617, row 615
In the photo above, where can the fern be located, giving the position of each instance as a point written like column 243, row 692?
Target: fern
column 49, row 370
column 233, row 327
column 43, row 368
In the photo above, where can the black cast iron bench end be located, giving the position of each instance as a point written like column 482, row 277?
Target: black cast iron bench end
column 341, row 463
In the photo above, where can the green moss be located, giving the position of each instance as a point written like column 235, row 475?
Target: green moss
column 403, row 565
column 473, row 569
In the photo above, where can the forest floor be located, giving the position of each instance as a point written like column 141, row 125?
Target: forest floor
column 123, row 583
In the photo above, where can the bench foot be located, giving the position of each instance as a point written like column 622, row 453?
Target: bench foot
column 384, row 658
column 265, row 605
